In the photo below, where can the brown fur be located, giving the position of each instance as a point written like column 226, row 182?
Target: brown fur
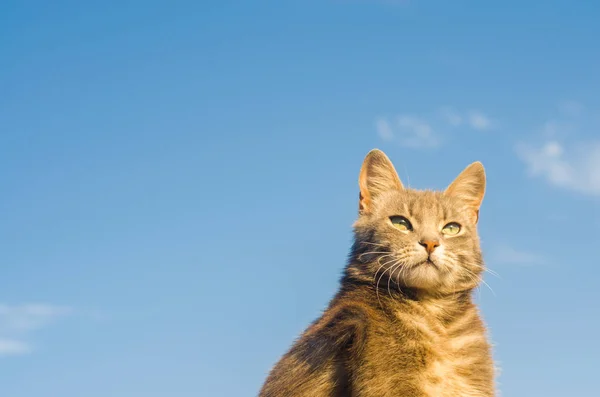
column 403, row 322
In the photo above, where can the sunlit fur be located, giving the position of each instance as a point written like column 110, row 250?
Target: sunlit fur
column 381, row 250
column 403, row 322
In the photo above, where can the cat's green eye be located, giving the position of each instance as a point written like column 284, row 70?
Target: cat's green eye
column 401, row 223
column 451, row 229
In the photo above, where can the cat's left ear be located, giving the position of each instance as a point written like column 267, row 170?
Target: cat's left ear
column 469, row 186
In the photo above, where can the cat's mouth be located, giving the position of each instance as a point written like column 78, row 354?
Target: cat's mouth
column 429, row 262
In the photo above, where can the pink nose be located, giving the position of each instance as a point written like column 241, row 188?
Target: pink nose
column 429, row 245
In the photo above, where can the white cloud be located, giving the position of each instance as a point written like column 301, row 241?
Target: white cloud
column 575, row 168
column 18, row 322
column 473, row 119
column 557, row 129
column 451, row 117
column 551, row 129
column 11, row 347
column 384, row 130
column 409, row 131
column 29, row 317
column 504, row 254
column 571, row 108
column 572, row 166
column 418, row 132
column 479, row 121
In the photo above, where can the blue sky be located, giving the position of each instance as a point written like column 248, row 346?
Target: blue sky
column 179, row 180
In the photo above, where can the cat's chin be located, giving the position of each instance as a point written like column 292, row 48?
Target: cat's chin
column 424, row 275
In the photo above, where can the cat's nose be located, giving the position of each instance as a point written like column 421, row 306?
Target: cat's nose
column 429, row 245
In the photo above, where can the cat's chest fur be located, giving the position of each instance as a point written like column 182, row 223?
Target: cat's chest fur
column 421, row 351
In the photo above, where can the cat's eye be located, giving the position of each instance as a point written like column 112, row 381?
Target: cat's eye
column 401, row 223
column 451, row 229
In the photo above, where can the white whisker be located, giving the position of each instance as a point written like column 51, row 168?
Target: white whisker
column 493, row 273
column 375, row 244
column 480, row 279
column 395, row 266
column 371, row 253
column 380, row 277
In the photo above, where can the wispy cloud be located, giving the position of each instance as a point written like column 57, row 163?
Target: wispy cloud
column 474, row 119
column 451, row 116
column 418, row 133
column 576, row 167
column 553, row 129
column 479, row 121
column 426, row 132
column 504, row 254
column 19, row 322
column 384, row 130
column 12, row 347
column 559, row 157
column 571, row 108
column 409, row 131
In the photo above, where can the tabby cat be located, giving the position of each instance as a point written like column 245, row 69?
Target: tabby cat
column 403, row 322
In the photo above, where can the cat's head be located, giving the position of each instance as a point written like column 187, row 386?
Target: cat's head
column 425, row 240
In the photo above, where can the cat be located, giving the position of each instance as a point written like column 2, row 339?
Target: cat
column 403, row 322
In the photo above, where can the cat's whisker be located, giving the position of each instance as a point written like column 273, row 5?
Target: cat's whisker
column 371, row 253
column 395, row 266
column 378, row 270
column 380, row 277
column 398, row 279
column 375, row 244
column 379, row 261
column 407, row 176
column 480, row 279
column 493, row 273
column 487, row 285
column 453, row 288
column 382, row 265
column 472, row 277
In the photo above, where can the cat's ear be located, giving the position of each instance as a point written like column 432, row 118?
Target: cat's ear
column 469, row 186
column 377, row 175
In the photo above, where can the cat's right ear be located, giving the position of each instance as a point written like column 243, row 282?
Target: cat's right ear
column 377, row 175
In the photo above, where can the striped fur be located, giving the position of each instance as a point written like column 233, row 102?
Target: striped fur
column 403, row 322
